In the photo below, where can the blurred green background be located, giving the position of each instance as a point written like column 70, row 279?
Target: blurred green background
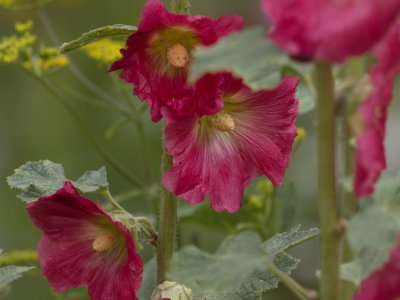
column 33, row 126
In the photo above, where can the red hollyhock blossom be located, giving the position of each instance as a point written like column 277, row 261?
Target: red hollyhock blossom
column 218, row 154
column 158, row 54
column 329, row 29
column 370, row 155
column 383, row 284
column 83, row 245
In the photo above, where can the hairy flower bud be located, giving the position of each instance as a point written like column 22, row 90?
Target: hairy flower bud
column 172, row 290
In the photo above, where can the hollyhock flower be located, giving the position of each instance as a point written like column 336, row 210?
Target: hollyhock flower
column 218, row 154
column 83, row 245
column 384, row 283
column 329, row 29
column 157, row 55
column 370, row 155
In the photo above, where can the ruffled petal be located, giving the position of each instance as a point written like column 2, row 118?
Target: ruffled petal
column 309, row 28
column 370, row 153
column 145, row 62
column 70, row 224
column 218, row 163
column 383, row 284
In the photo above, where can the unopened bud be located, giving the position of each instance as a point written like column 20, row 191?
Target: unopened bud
column 266, row 187
column 256, row 202
column 173, row 291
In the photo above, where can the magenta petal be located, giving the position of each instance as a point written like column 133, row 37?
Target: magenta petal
column 145, row 61
column 383, row 284
column 310, row 28
column 370, row 154
column 70, row 224
column 211, row 162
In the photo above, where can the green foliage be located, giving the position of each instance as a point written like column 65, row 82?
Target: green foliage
column 43, row 178
column 149, row 280
column 97, row 34
column 379, row 217
column 283, row 241
column 10, row 273
column 240, row 267
column 248, row 54
column 366, row 261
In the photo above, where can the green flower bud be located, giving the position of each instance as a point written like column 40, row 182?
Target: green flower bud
column 173, row 291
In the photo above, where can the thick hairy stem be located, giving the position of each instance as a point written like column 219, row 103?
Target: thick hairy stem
column 167, row 224
column 328, row 206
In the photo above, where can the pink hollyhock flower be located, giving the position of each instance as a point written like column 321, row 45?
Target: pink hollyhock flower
column 218, row 154
column 382, row 284
column 83, row 245
column 157, row 55
column 370, row 155
column 329, row 29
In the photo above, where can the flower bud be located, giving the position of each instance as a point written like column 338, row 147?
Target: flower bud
column 173, row 291
column 266, row 187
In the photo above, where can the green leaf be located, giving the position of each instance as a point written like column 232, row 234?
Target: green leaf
column 149, row 280
column 248, row 54
column 367, row 261
column 283, row 241
column 37, row 179
column 238, row 269
column 44, row 178
column 97, row 34
column 10, row 273
column 92, row 181
column 382, row 225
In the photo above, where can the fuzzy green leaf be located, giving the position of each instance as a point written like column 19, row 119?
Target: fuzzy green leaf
column 367, row 261
column 97, row 34
column 237, row 271
column 248, row 54
column 283, row 241
column 10, row 273
column 92, row 181
column 37, row 179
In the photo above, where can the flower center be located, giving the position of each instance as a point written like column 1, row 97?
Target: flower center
column 223, row 121
column 104, row 242
column 178, row 56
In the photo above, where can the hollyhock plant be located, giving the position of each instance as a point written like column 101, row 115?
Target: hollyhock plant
column 384, row 283
column 370, row 156
column 157, row 56
column 218, row 154
column 83, row 245
column 329, row 29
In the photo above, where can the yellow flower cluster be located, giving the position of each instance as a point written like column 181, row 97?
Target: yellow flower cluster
column 11, row 47
column 18, row 49
column 105, row 50
column 301, row 134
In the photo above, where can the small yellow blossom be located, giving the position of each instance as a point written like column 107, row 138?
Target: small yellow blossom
column 104, row 51
column 53, row 63
column 6, row 3
column 266, row 187
column 12, row 46
column 256, row 202
column 301, row 134
column 23, row 26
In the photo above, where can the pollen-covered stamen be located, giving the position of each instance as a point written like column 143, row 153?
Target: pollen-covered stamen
column 223, row 121
column 178, row 56
column 104, row 242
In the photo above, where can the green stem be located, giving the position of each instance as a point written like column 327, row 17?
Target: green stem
column 293, row 285
column 167, row 224
column 106, row 156
column 328, row 206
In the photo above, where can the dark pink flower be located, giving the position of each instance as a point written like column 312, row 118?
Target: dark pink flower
column 370, row 156
column 157, row 55
column 83, row 245
column 382, row 284
column 329, row 29
column 218, row 154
